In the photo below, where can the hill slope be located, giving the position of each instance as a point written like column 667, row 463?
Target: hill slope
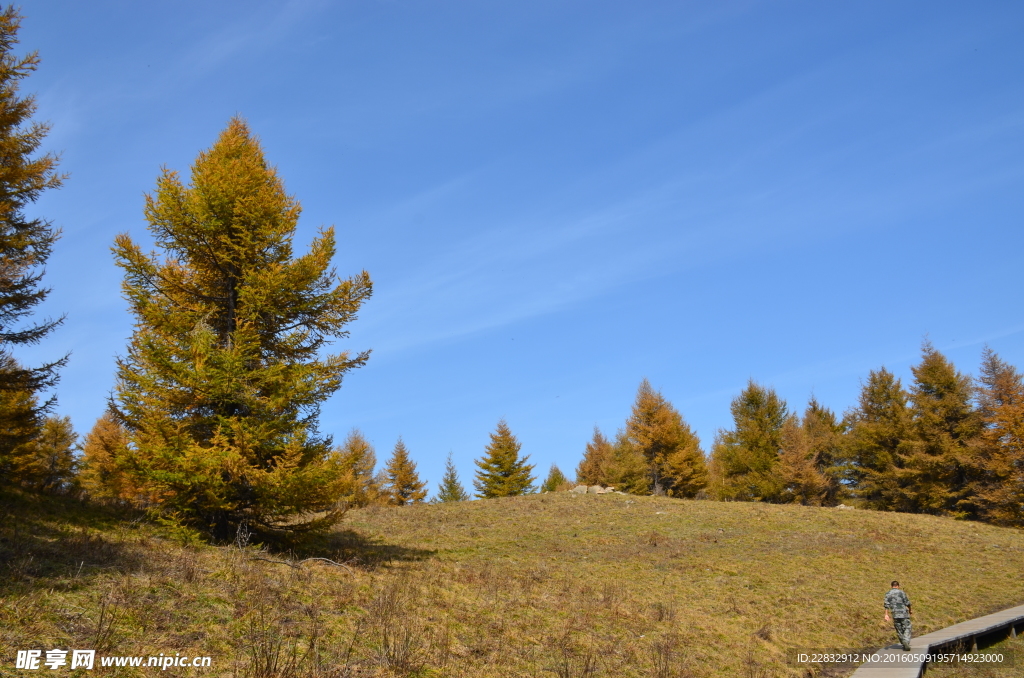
column 555, row 584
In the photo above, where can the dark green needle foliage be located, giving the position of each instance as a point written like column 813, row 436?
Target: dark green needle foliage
column 451, row 489
column 25, row 245
column 555, row 481
column 744, row 459
column 501, row 472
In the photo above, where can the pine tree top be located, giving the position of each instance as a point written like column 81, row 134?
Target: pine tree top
column 450, row 488
column 403, row 483
column 501, row 472
column 595, row 466
column 554, row 480
column 656, row 427
column 942, row 398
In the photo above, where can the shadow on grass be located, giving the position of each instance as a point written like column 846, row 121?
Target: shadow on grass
column 48, row 538
column 354, row 549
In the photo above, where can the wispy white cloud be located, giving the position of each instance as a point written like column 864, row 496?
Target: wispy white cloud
column 554, row 257
column 75, row 100
column 256, row 31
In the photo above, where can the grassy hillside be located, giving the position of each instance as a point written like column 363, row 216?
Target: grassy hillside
column 548, row 585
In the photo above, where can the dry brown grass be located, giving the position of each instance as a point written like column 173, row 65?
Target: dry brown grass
column 545, row 585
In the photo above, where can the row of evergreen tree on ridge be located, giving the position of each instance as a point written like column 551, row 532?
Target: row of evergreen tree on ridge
column 948, row 445
column 502, row 472
column 213, row 416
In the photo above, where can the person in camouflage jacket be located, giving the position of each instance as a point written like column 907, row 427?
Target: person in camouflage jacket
column 898, row 603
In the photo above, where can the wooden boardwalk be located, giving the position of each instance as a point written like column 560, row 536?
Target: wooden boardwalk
column 967, row 633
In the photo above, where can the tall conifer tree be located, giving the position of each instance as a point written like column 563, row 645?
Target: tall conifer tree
column 25, row 245
column 594, row 468
column 675, row 462
column 997, row 460
column 878, row 435
column 358, row 459
column 744, row 459
column 38, row 452
column 933, row 474
column 49, row 462
column 20, row 422
column 502, row 473
column 104, row 454
column 824, row 437
column 628, row 470
column 450, row 488
column 554, row 481
column 403, row 483
column 798, row 468
column 221, row 386
column 809, row 459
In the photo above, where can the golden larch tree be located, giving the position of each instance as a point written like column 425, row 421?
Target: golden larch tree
column 225, row 373
column 595, row 467
column 358, row 459
column 997, row 456
column 403, row 484
column 675, row 461
column 801, row 480
column 104, row 454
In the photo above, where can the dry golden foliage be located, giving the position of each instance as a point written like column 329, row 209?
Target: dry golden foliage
column 996, row 459
column 595, row 467
column 675, row 461
column 104, row 454
column 403, row 484
column 225, row 373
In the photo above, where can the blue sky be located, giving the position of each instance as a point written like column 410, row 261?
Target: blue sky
column 557, row 199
